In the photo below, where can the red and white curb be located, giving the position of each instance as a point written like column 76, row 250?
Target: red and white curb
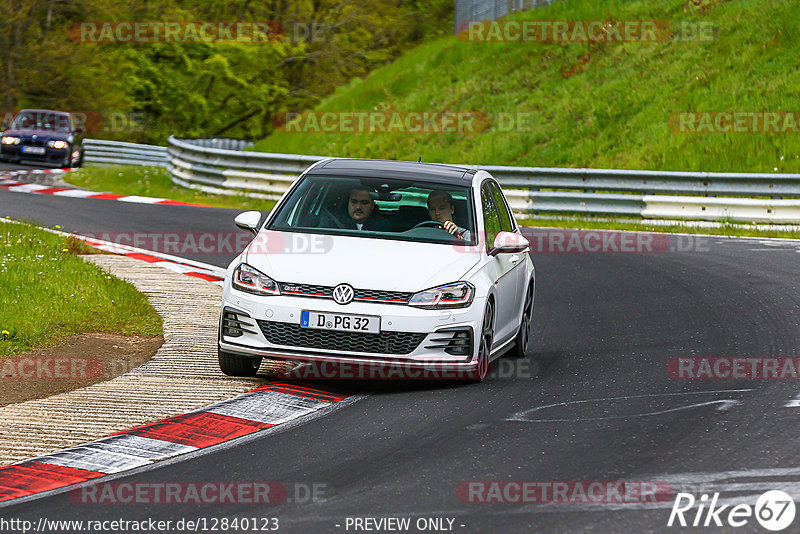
column 264, row 407
column 22, row 187
column 204, row 271
column 267, row 406
column 196, row 269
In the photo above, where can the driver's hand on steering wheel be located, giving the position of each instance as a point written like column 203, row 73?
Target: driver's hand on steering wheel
column 451, row 227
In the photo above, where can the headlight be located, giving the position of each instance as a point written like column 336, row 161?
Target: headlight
column 457, row 295
column 58, row 144
column 11, row 140
column 249, row 280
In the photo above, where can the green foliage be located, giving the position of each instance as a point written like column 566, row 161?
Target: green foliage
column 600, row 105
column 200, row 89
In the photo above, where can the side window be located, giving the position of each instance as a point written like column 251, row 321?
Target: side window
column 491, row 222
column 506, row 219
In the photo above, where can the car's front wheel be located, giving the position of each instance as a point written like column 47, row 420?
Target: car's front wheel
column 481, row 370
column 233, row 365
column 523, row 334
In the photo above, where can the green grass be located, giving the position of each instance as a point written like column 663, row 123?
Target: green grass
column 724, row 229
column 47, row 293
column 600, row 105
column 155, row 182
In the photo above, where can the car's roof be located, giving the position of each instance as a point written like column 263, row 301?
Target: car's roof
column 43, row 111
column 398, row 170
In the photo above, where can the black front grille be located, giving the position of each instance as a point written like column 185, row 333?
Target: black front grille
column 31, row 142
column 306, row 290
column 292, row 335
column 309, row 290
column 373, row 294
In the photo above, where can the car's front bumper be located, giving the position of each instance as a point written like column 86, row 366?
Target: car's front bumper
column 345, row 355
column 51, row 155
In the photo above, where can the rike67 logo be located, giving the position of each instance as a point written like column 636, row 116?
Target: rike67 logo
column 774, row 510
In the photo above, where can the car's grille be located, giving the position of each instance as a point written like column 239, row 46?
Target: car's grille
column 31, row 142
column 366, row 295
column 293, row 335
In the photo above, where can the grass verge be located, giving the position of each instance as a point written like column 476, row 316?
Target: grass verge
column 47, row 293
column 155, row 182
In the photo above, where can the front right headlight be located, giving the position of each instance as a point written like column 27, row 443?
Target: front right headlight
column 250, row 280
column 456, row 295
column 11, row 140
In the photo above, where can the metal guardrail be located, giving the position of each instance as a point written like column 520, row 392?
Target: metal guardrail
column 740, row 197
column 467, row 11
column 222, row 142
column 120, row 153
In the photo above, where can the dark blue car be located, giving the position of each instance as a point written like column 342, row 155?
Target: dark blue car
column 43, row 136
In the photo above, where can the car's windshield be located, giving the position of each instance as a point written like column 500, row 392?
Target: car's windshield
column 37, row 120
column 378, row 208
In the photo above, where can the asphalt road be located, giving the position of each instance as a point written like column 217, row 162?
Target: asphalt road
column 593, row 401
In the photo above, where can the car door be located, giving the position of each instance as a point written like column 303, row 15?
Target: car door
column 499, row 269
column 519, row 271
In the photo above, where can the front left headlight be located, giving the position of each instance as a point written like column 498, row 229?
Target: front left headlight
column 456, row 295
column 11, row 140
column 250, row 280
column 57, row 144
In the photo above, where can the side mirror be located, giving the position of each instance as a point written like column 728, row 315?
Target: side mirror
column 248, row 220
column 508, row 243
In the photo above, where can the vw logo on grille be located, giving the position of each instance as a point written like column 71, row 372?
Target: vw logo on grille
column 343, row 294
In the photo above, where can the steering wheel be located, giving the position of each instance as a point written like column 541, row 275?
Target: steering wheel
column 429, row 224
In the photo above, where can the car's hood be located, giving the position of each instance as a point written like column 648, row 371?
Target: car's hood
column 364, row 263
column 41, row 134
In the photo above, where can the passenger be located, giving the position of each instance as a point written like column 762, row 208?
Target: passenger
column 441, row 209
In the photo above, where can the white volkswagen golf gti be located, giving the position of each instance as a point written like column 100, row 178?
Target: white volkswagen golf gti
column 380, row 269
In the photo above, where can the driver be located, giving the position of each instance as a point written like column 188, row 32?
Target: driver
column 441, row 209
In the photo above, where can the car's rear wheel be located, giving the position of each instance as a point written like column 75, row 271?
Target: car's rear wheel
column 521, row 342
column 233, row 365
column 481, row 370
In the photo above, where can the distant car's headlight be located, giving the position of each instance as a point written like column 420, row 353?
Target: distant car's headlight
column 57, row 144
column 457, row 295
column 249, row 280
column 11, row 140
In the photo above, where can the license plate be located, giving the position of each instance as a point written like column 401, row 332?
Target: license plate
column 33, row 150
column 368, row 324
